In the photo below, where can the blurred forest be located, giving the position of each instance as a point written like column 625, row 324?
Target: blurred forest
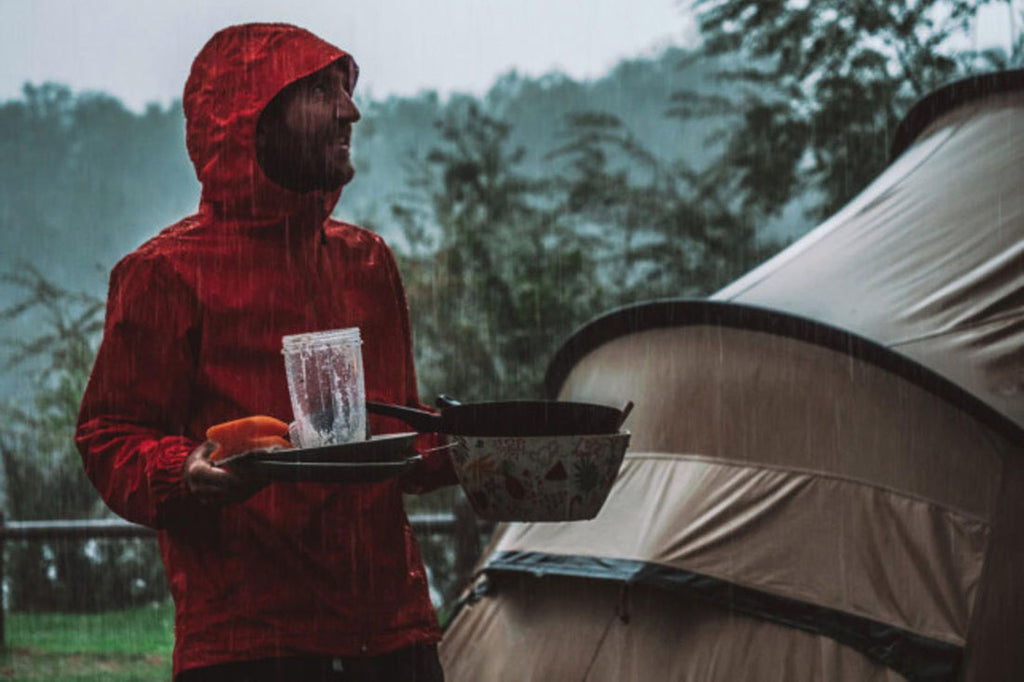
column 516, row 216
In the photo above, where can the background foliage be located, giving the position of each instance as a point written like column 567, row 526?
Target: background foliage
column 43, row 474
column 516, row 217
column 819, row 88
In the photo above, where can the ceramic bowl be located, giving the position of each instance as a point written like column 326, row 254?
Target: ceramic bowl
column 539, row 478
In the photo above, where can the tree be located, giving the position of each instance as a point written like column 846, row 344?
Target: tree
column 665, row 231
column 820, row 88
column 83, row 172
column 42, row 469
column 495, row 277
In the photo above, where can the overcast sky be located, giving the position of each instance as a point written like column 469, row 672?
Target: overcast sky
column 140, row 50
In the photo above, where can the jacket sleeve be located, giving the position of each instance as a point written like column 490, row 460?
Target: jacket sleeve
column 436, row 470
column 131, row 425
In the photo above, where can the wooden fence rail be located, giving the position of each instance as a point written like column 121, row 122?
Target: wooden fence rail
column 87, row 529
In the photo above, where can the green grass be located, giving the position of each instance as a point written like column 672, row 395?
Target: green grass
column 145, row 630
column 28, row 664
column 116, row 646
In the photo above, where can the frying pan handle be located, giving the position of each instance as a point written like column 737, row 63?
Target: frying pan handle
column 422, row 421
column 444, row 401
column 626, row 409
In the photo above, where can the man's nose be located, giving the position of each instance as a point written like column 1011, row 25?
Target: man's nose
column 345, row 109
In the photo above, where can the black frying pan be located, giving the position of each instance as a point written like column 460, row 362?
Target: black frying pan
column 509, row 418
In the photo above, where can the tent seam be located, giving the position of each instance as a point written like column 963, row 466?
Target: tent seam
column 636, row 578
column 635, row 575
column 1014, row 315
column 723, row 461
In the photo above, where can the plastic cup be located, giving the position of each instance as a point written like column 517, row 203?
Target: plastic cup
column 326, row 386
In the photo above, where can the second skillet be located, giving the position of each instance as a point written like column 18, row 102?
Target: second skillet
column 508, row 418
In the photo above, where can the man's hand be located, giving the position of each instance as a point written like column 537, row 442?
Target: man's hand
column 217, row 485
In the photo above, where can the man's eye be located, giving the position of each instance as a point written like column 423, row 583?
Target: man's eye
column 319, row 89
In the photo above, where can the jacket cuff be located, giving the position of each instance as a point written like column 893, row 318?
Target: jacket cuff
column 165, row 469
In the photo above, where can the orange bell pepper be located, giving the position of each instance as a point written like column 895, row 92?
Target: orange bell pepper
column 249, row 433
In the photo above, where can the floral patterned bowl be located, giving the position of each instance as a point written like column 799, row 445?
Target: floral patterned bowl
column 540, row 478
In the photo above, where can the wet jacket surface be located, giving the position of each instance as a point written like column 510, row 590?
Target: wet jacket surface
column 193, row 338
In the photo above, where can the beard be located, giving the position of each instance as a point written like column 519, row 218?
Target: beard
column 308, row 165
column 324, row 161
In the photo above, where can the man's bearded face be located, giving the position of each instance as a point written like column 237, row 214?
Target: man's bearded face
column 304, row 135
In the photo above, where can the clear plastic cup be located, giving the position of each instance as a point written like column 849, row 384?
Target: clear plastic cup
column 326, row 386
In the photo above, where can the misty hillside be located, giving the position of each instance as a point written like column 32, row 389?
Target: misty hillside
column 83, row 180
column 396, row 131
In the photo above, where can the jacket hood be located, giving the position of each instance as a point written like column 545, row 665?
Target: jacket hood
column 233, row 78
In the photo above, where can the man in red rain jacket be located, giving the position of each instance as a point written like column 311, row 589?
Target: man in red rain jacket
column 286, row 581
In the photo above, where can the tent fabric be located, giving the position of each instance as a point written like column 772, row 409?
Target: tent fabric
column 915, row 655
column 994, row 650
column 971, row 90
column 533, row 628
column 826, row 473
column 929, row 258
column 752, row 465
column 753, row 396
column 823, row 541
column 786, row 468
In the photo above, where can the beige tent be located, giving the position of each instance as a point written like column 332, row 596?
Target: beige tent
column 826, row 477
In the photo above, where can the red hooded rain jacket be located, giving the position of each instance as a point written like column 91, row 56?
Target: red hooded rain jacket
column 193, row 338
